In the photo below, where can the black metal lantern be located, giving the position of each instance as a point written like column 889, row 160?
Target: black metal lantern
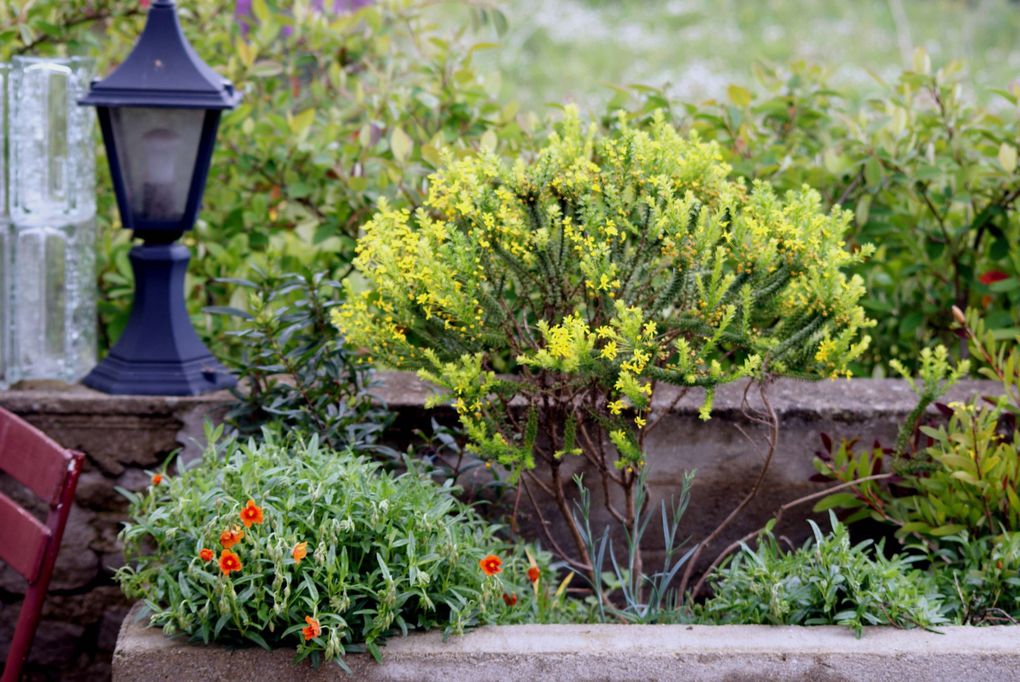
column 159, row 112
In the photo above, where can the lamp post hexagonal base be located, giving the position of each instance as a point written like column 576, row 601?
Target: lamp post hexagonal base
column 117, row 376
column 159, row 352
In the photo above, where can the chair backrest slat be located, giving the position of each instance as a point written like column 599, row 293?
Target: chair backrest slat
column 27, row 545
column 31, row 458
column 22, row 539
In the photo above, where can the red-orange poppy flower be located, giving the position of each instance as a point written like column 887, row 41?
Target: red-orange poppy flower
column 231, row 537
column 251, row 513
column 509, row 599
column 491, row 565
column 299, row 552
column 229, row 562
column 313, row 629
column 533, row 574
column 206, row 554
column 157, row 479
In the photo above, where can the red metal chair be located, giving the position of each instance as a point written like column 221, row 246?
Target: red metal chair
column 27, row 545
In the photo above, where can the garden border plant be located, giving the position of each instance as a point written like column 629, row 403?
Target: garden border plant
column 283, row 539
column 609, row 265
column 949, row 490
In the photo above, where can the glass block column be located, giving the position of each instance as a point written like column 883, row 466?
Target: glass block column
column 6, row 232
column 51, row 187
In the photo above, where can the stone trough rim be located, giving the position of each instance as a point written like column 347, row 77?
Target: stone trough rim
column 615, row 651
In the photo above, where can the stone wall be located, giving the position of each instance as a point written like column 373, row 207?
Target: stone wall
column 125, row 437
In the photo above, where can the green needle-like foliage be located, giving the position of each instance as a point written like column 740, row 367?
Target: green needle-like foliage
column 607, row 265
column 613, row 261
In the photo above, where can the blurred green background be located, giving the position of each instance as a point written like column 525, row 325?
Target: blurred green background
column 556, row 50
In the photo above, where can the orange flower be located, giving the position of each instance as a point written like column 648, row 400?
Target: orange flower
column 231, row 537
column 251, row 513
column 206, row 554
column 299, row 552
column 229, row 562
column 533, row 574
column 157, row 479
column 313, row 630
column 491, row 565
column 509, row 599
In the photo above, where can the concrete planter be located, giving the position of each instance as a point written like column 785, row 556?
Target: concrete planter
column 605, row 652
column 124, row 436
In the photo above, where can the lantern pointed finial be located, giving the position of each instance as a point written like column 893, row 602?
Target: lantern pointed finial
column 163, row 70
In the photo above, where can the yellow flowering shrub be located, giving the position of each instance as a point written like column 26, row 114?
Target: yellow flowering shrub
column 580, row 280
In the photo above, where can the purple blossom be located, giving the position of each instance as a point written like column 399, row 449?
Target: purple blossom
column 242, row 10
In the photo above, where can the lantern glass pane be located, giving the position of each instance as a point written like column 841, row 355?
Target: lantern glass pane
column 156, row 149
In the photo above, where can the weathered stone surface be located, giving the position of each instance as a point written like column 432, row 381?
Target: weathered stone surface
column 606, row 652
column 95, row 491
column 55, row 642
column 109, row 627
column 77, row 564
column 85, row 608
column 107, row 525
column 115, row 431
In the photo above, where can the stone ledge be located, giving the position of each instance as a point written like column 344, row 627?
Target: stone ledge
column 604, row 652
column 824, row 399
column 404, row 390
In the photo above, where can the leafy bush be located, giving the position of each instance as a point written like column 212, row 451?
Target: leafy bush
column 953, row 491
column 829, row 581
column 607, row 266
column 286, row 542
column 933, row 181
column 965, row 477
column 979, row 577
column 292, row 370
column 339, row 110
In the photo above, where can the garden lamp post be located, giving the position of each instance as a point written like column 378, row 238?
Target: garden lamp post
column 158, row 112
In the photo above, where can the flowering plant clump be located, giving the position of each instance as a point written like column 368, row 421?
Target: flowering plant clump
column 285, row 542
column 605, row 267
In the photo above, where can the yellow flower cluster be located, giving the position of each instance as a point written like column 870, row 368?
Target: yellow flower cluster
column 617, row 261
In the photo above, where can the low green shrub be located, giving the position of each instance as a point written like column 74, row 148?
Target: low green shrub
column 960, row 476
column 606, row 267
column 827, row 581
column 285, row 542
column 979, row 577
column 291, row 369
column 950, row 490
